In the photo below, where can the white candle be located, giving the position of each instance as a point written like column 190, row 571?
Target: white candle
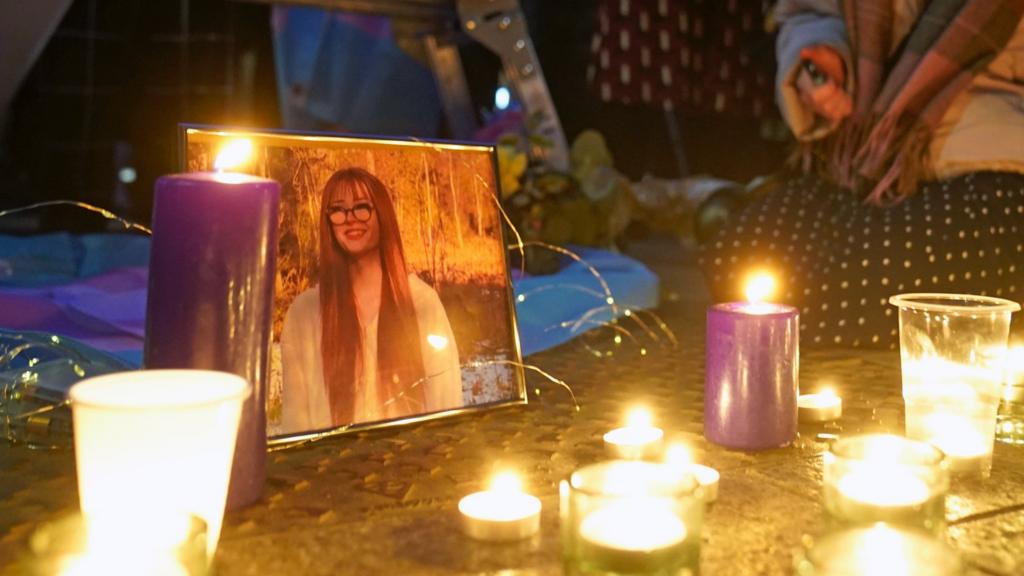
column 501, row 513
column 155, row 444
column 679, row 456
column 637, row 440
column 639, row 524
column 821, row 407
column 883, row 486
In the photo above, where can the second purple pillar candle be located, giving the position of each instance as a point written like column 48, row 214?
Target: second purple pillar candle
column 750, row 387
column 211, row 294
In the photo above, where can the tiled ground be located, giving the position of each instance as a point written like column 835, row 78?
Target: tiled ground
column 384, row 502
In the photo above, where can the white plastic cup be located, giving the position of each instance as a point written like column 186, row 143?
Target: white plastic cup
column 953, row 349
column 156, row 444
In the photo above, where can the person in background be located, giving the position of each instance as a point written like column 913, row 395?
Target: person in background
column 909, row 176
column 372, row 341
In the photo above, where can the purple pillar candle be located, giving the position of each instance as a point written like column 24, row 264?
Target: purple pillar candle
column 211, row 292
column 750, row 386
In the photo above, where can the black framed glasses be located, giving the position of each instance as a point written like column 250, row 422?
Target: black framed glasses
column 360, row 213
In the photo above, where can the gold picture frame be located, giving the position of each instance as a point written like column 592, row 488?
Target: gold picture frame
column 424, row 215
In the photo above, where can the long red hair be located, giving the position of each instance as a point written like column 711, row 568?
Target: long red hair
column 399, row 359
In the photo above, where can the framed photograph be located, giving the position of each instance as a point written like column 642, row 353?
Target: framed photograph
column 392, row 300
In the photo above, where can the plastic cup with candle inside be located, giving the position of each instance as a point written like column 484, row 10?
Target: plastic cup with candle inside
column 631, row 517
column 752, row 360
column 174, row 546
column 877, row 549
column 637, row 440
column 823, row 406
column 1010, row 419
column 501, row 513
column 884, row 478
column 953, row 349
column 156, row 444
column 680, row 456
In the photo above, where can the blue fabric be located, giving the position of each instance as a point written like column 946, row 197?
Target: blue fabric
column 38, row 260
column 104, row 252
column 547, row 307
column 112, row 301
column 345, row 71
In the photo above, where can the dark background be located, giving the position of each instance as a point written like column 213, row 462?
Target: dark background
column 118, row 76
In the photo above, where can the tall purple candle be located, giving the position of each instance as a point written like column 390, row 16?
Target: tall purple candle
column 211, row 292
column 750, row 386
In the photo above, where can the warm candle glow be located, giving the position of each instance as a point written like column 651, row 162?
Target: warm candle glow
column 820, row 407
column 507, row 482
column 640, row 524
column 503, row 512
column 957, row 436
column 638, row 417
column 883, row 485
column 155, row 444
column 234, row 154
column 637, row 439
column 759, row 288
column 680, row 456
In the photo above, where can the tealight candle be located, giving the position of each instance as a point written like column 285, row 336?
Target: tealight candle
column 885, row 479
column 637, row 440
column 750, row 386
column 502, row 513
column 631, row 517
column 706, row 476
column 879, row 549
column 820, row 407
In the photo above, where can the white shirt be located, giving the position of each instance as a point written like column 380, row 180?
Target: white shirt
column 304, row 403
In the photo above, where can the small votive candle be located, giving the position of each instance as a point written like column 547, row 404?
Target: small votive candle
column 502, row 513
column 631, row 517
column 679, row 456
column 638, row 440
column 882, row 478
column 823, row 406
column 878, row 549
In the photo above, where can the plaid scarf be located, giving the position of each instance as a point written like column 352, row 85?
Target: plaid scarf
column 901, row 96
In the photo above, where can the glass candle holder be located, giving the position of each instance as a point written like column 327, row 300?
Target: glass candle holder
column 156, row 444
column 70, row 547
column 1010, row 419
column 882, row 478
column 631, row 517
column 875, row 550
column 953, row 348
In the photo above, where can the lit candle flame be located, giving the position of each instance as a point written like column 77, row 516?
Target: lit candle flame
column 759, row 287
column 507, row 482
column 678, row 455
column 638, row 417
column 235, row 153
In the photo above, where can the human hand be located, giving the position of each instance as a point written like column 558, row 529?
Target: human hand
column 821, row 82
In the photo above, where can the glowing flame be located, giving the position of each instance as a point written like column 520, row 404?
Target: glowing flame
column 638, row 417
column 437, row 342
column 235, row 153
column 506, row 482
column 678, row 455
column 760, row 287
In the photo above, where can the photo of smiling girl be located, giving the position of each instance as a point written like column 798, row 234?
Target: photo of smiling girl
column 371, row 341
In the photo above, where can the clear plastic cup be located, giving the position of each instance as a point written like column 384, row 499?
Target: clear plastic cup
column 953, row 349
column 152, row 445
